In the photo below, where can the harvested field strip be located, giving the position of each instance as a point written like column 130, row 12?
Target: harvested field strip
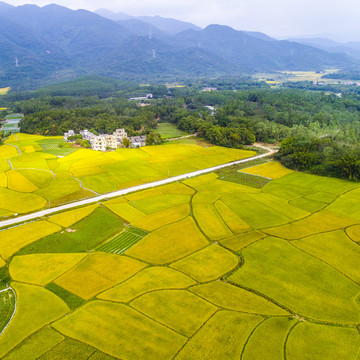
column 124, row 241
column 7, row 307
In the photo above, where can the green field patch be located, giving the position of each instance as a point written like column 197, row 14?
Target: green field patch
column 333, row 247
column 344, row 203
column 162, row 218
column 354, row 233
column 101, row 356
column 306, row 204
column 267, row 342
column 285, row 191
column 321, row 196
column 222, row 337
column 16, row 238
column 321, row 342
column 88, row 233
column 253, row 212
column 69, row 349
column 169, row 131
column 36, row 307
column 207, row 264
column 238, row 242
column 149, row 279
column 317, row 223
column 298, row 281
column 70, row 299
column 36, row 345
column 238, row 177
column 41, row 269
column 34, row 160
column 137, row 338
column 123, row 242
column 125, row 211
column 280, row 205
column 151, row 205
column 21, row 203
column 77, row 195
column 210, row 221
column 98, row 272
column 178, row 309
column 176, row 189
column 231, row 297
column 40, row 179
column 100, row 183
column 232, row 220
column 169, row 243
column 7, row 307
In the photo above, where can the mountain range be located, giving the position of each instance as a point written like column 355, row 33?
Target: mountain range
column 41, row 45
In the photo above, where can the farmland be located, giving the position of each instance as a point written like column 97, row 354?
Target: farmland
column 38, row 172
column 201, row 269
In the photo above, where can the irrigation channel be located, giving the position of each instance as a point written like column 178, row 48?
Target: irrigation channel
column 39, row 214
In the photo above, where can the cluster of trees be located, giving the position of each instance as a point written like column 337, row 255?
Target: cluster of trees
column 324, row 156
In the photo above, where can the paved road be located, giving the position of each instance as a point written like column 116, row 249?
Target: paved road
column 114, row 194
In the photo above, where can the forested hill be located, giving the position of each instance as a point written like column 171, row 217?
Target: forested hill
column 54, row 43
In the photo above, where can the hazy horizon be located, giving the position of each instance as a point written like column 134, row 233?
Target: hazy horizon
column 278, row 18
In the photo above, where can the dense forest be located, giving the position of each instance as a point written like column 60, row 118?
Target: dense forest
column 319, row 131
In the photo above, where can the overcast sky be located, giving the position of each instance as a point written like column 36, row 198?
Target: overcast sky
column 274, row 17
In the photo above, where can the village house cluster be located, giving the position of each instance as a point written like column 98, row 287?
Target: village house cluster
column 105, row 142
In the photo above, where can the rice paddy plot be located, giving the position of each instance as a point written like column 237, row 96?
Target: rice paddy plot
column 7, row 307
column 298, row 281
column 137, row 338
column 267, row 342
column 36, row 345
column 311, row 341
column 222, row 337
column 178, row 309
column 272, row 170
column 36, row 307
column 238, row 242
column 234, row 298
column 124, row 241
column 149, row 279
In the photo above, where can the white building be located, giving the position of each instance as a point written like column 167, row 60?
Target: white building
column 120, row 135
column 86, row 134
column 69, row 133
column 138, row 141
column 111, row 142
column 98, row 143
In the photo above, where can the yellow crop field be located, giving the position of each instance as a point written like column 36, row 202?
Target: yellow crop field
column 36, row 308
column 232, row 220
column 149, row 279
column 272, row 170
column 314, row 224
column 2, row 263
column 207, row 264
column 210, row 221
column 12, row 240
column 162, row 218
column 178, row 309
column 7, row 151
column 137, row 338
column 3, row 180
column 354, row 233
column 169, row 243
column 234, row 298
column 238, row 242
column 18, row 182
column 208, row 342
column 71, row 217
column 125, row 211
column 4, row 91
column 98, row 272
column 41, row 269
column 36, row 345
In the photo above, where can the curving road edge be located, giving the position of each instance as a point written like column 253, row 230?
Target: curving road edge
column 122, row 192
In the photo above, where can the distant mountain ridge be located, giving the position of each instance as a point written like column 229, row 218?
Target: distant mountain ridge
column 43, row 45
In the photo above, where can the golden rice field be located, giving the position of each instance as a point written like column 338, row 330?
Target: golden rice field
column 4, row 91
column 200, row 269
column 35, row 173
